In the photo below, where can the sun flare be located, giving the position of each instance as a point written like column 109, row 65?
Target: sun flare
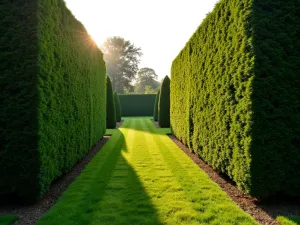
column 97, row 36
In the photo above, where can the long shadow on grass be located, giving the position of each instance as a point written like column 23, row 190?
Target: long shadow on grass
column 108, row 191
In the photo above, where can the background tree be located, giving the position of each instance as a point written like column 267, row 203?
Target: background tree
column 164, row 104
column 117, row 107
column 149, row 90
column 146, row 81
column 122, row 60
column 110, row 106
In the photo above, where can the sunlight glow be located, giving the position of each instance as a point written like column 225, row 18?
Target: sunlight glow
column 160, row 28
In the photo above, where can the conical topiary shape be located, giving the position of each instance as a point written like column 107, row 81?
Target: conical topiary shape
column 155, row 114
column 117, row 107
column 110, row 106
column 164, row 104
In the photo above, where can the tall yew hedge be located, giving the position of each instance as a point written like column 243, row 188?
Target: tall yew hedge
column 164, row 103
column 110, row 106
column 155, row 112
column 117, row 107
column 235, row 94
column 52, row 95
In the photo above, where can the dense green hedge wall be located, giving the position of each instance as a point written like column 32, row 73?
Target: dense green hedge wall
column 235, row 94
column 52, row 95
column 155, row 112
column 117, row 107
column 18, row 98
column 110, row 106
column 164, row 103
column 137, row 104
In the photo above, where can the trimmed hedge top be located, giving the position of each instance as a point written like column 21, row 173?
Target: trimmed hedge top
column 235, row 94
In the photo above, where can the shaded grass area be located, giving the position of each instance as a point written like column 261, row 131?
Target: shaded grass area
column 293, row 220
column 142, row 177
column 7, row 220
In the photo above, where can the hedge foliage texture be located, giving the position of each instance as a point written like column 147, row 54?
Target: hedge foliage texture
column 155, row 112
column 235, row 94
column 137, row 104
column 52, row 95
column 117, row 107
column 110, row 106
column 164, row 103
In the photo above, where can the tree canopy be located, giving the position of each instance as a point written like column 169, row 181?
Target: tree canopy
column 122, row 60
column 146, row 81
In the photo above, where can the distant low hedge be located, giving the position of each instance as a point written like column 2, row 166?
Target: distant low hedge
column 117, row 107
column 235, row 94
column 155, row 113
column 164, row 103
column 52, row 95
column 110, row 106
column 137, row 104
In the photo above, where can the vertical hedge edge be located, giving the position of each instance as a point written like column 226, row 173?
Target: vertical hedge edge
column 117, row 106
column 155, row 113
column 110, row 106
column 164, row 104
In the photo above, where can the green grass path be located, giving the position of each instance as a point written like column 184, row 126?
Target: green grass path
column 141, row 177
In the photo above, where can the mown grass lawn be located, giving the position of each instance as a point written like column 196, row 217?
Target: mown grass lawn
column 293, row 220
column 7, row 220
column 141, row 177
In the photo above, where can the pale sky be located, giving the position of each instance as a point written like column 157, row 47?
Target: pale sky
column 160, row 27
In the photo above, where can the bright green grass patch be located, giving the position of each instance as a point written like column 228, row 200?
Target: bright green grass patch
column 157, row 130
column 293, row 220
column 141, row 177
column 7, row 220
column 109, row 131
column 163, row 131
